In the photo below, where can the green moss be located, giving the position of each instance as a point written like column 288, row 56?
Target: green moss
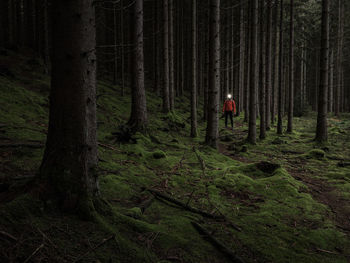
column 159, row 155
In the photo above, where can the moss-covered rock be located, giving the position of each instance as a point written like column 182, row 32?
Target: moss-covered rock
column 159, row 155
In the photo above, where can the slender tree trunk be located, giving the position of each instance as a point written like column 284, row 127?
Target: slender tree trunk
column 194, row 71
column 321, row 130
column 115, row 49
column 291, row 70
column 275, row 67
column 122, row 70
column 340, row 46
column 70, row 159
column 138, row 118
column 214, row 75
column 262, row 75
column 171, row 56
column 331, row 81
column 166, row 83
column 253, row 73
column 268, row 58
column 280, row 73
column 247, row 63
column 155, row 48
column 242, row 57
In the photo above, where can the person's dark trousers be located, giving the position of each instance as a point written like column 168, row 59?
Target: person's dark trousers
column 229, row 114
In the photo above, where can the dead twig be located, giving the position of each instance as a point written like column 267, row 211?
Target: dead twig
column 94, row 248
column 8, row 236
column 108, row 147
column 231, row 255
column 34, row 253
column 326, row 251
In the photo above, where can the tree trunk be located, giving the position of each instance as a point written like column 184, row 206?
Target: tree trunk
column 253, row 73
column 262, row 75
column 138, row 118
column 340, row 46
column 280, row 73
column 171, row 56
column 291, row 70
column 321, row 131
column 214, row 75
column 166, row 83
column 122, row 70
column 242, row 57
column 331, row 81
column 194, row 71
column 268, row 59
column 70, row 158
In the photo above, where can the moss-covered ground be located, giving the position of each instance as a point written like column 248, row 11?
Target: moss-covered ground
column 295, row 211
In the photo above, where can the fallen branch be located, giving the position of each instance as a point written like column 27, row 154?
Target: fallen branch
column 34, row 253
column 94, row 248
column 8, row 236
column 160, row 195
column 48, row 239
column 216, row 243
column 326, row 251
column 108, row 147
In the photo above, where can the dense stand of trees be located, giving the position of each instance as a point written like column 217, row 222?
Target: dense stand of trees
column 274, row 56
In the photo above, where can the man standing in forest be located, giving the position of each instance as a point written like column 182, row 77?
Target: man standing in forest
column 229, row 109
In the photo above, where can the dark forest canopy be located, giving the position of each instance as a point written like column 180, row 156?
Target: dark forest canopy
column 174, row 130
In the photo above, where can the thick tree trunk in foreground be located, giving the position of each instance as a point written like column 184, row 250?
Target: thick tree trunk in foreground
column 214, row 75
column 253, row 73
column 321, row 131
column 138, row 118
column 291, row 70
column 166, row 82
column 194, row 71
column 70, row 159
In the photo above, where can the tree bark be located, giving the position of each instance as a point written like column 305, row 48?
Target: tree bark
column 321, row 130
column 138, row 118
column 194, row 71
column 291, row 70
column 340, row 47
column 253, row 73
column 171, row 56
column 280, row 73
column 214, row 75
column 262, row 75
column 166, row 83
column 70, row 159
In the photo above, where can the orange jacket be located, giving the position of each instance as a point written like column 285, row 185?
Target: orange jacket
column 229, row 105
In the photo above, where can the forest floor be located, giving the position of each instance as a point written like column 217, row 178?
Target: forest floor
column 285, row 199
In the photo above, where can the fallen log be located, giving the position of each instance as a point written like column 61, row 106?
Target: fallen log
column 160, row 195
column 231, row 255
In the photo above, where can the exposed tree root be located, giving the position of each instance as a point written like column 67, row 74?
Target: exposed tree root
column 231, row 255
column 160, row 195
